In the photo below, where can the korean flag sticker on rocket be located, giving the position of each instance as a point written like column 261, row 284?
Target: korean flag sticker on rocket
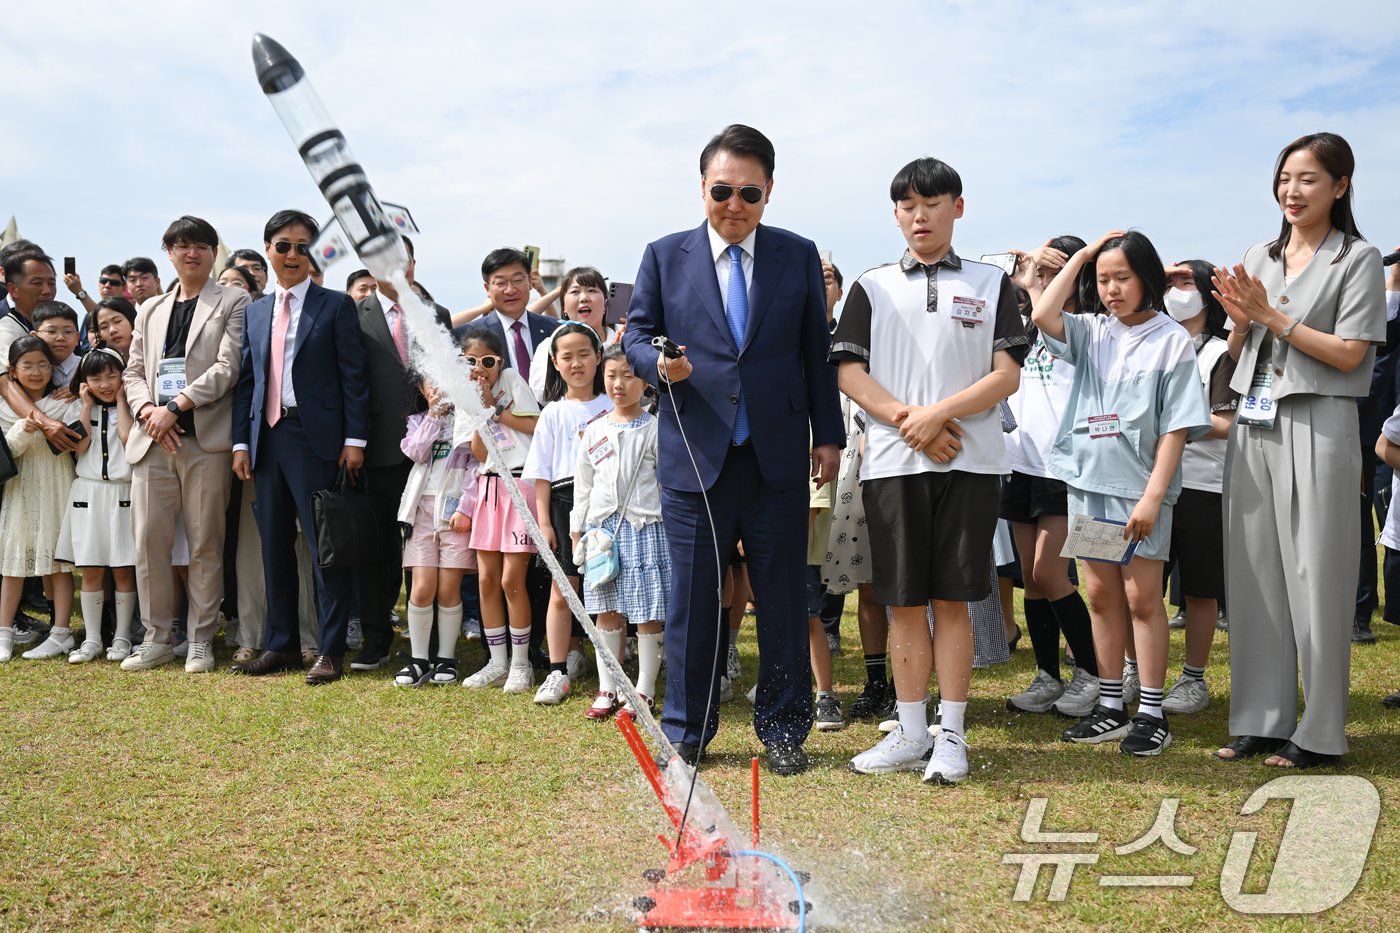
column 969, row 311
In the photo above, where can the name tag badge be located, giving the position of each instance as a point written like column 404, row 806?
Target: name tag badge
column 601, row 450
column 505, row 440
column 170, row 378
column 969, row 311
column 1257, row 409
column 449, row 505
column 1103, row 426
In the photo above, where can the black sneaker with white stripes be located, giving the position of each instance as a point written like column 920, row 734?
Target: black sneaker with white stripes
column 1103, row 724
column 1148, row 736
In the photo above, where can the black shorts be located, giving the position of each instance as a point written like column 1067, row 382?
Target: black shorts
column 931, row 536
column 1198, row 544
column 1025, row 498
column 561, row 503
column 814, row 591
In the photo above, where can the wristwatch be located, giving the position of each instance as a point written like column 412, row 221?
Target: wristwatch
column 82, row 296
column 1283, row 334
column 499, row 410
column 173, row 406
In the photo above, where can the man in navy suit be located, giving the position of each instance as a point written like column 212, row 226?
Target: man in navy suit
column 754, row 396
column 301, row 411
column 506, row 274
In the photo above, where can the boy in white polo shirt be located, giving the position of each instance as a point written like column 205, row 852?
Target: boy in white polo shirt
column 928, row 346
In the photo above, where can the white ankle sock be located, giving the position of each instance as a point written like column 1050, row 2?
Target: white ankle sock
column 952, row 714
column 613, row 640
column 913, row 718
column 519, row 646
column 648, row 661
column 496, row 643
column 449, row 630
column 92, row 604
column 126, row 611
column 420, row 631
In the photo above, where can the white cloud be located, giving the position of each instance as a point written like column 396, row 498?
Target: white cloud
column 578, row 126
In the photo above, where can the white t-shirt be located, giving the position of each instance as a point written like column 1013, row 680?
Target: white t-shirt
column 1038, row 406
column 554, row 450
column 512, row 390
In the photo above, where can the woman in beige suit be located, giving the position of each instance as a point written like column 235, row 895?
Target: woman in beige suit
column 1307, row 310
column 179, row 383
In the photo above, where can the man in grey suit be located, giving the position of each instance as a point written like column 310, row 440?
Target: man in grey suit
column 393, row 396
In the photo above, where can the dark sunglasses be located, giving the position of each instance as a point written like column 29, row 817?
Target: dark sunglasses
column 751, row 194
column 285, row 246
column 111, row 283
column 487, row 362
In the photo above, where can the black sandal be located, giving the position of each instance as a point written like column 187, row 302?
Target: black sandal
column 415, row 674
column 1251, row 746
column 1302, row 758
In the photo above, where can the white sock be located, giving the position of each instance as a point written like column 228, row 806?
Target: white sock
column 58, row 633
column 519, row 646
column 613, row 640
column 913, row 719
column 496, row 643
column 126, row 611
column 449, row 630
column 92, row 604
column 420, row 631
column 648, row 661
column 953, row 715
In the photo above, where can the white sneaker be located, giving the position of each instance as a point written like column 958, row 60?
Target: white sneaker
column 471, row 628
column 726, row 689
column 752, row 695
column 51, row 647
column 7, row 644
column 948, row 764
column 1132, row 687
column 520, row 679
column 120, row 650
column 1080, row 696
column 573, row 666
column 148, row 655
column 1186, row 696
column 731, row 663
column 87, row 651
column 492, row 675
column 199, row 659
column 895, row 752
column 1039, row 696
column 555, row 687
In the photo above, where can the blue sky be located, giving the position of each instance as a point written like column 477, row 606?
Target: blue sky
column 578, row 127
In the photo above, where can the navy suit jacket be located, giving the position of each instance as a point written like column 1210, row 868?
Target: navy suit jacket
column 789, row 387
column 328, row 373
column 540, row 326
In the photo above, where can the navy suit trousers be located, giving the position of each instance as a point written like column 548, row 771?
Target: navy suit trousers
column 773, row 526
column 287, row 475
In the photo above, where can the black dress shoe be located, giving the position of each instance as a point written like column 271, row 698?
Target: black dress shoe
column 787, row 758
column 1361, row 633
column 326, row 669
column 370, row 659
column 688, row 753
column 1392, row 701
column 270, row 662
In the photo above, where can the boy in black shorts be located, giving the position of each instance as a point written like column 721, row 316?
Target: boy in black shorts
column 928, row 346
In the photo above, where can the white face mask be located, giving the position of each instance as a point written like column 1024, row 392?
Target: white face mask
column 1183, row 305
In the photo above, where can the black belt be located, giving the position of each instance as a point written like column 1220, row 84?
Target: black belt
column 290, row 413
column 744, row 443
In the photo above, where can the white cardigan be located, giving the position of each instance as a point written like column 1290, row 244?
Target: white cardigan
column 608, row 457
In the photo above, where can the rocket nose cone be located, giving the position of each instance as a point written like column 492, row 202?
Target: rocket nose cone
column 277, row 69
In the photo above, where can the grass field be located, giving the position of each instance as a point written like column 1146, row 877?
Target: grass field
column 167, row 800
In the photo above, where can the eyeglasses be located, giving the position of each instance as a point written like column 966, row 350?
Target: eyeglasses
column 486, row 362
column 284, row 247
column 111, row 283
column 52, row 332
column 188, row 248
column 519, row 281
column 751, row 194
column 34, row 368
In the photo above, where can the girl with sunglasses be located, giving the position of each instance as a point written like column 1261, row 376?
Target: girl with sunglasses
column 503, row 546
column 573, row 395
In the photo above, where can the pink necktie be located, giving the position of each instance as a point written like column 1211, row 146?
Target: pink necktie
column 521, row 353
column 280, row 323
column 400, row 334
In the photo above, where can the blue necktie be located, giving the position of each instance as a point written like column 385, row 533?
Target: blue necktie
column 737, row 311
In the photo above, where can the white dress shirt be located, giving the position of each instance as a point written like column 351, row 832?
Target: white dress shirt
column 719, row 246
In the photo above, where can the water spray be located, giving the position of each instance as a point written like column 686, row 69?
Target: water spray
column 735, row 899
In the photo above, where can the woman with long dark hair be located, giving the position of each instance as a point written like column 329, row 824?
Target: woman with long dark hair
column 1307, row 310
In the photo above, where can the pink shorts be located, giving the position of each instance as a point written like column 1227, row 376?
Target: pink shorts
column 495, row 526
column 447, row 548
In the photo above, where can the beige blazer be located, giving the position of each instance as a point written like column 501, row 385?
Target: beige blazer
column 211, row 363
column 1345, row 297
